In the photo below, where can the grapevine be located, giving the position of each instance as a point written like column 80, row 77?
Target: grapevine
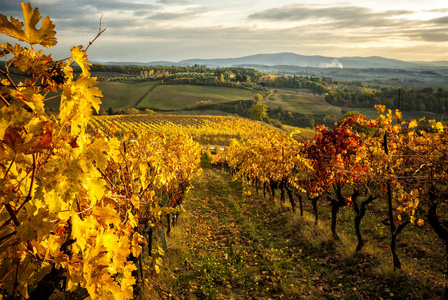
column 65, row 216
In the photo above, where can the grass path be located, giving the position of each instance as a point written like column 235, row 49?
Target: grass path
column 227, row 246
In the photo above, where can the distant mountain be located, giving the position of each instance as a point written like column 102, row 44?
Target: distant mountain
column 293, row 59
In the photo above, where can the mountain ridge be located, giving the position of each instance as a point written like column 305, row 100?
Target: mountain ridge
column 292, row 59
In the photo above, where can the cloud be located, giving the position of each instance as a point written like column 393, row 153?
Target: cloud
column 189, row 14
column 10, row 6
column 440, row 10
column 144, row 30
column 336, row 16
column 360, row 24
column 170, row 2
column 441, row 20
column 438, row 35
column 72, row 10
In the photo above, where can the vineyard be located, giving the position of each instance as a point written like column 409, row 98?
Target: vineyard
column 92, row 206
column 392, row 170
column 78, row 207
column 213, row 130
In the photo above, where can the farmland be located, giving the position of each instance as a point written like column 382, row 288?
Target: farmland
column 301, row 101
column 123, row 95
column 178, row 97
column 214, row 130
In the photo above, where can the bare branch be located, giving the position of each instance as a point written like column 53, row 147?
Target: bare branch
column 6, row 74
column 12, row 214
column 10, row 165
column 33, row 178
column 4, row 100
column 100, row 31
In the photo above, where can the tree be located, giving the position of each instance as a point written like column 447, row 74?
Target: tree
column 311, row 123
column 103, row 112
column 259, row 111
column 148, row 111
column 258, row 98
column 132, row 111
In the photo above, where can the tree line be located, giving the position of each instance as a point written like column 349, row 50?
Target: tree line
column 427, row 99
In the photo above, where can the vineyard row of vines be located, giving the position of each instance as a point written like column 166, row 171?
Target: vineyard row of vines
column 213, row 130
column 77, row 206
column 358, row 163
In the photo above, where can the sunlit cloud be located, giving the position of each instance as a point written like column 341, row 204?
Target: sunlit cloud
column 147, row 30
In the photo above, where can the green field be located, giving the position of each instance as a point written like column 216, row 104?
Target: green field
column 177, row 97
column 305, row 103
column 122, row 95
column 153, row 95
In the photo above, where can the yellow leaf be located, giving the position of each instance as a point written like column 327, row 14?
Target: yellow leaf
column 80, row 57
column 64, row 215
column 136, row 248
column 55, row 202
column 97, row 188
column 79, row 228
column 107, row 214
column 420, row 222
column 380, row 108
column 128, row 281
column 157, row 269
column 44, row 36
column 135, row 201
column 84, row 85
column 412, row 124
column 133, row 221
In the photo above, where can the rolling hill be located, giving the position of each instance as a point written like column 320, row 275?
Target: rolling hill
column 293, row 59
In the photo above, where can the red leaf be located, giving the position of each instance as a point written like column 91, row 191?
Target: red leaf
column 74, row 143
column 43, row 143
column 13, row 136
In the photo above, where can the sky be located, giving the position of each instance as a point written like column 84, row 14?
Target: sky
column 173, row 30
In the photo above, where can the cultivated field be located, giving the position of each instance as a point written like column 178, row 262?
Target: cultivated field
column 177, row 97
column 122, row 95
column 305, row 103
column 216, row 130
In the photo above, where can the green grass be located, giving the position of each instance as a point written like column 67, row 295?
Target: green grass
column 123, row 95
column 230, row 246
column 177, row 97
column 305, row 103
column 225, row 247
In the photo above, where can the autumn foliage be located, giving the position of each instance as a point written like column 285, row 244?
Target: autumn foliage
column 66, row 215
column 400, row 163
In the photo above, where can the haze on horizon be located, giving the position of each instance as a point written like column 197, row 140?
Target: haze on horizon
column 173, row 30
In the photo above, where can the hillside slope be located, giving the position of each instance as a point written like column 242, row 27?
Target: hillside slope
column 232, row 247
